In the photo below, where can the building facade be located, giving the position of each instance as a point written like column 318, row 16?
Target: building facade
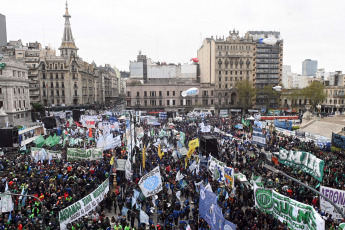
column 14, row 90
column 309, row 67
column 223, row 63
column 3, row 30
column 156, row 87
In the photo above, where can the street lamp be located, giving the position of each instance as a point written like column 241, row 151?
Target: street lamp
column 318, row 108
column 274, row 170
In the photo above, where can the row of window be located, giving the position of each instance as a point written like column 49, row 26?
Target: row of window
column 171, row 102
column 19, row 104
column 57, row 85
column 231, row 78
column 160, row 94
column 52, row 76
column 234, row 47
column 44, row 93
column 233, row 72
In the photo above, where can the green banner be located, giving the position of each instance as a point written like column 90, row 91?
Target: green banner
column 294, row 214
column 305, row 161
column 84, row 154
column 83, row 206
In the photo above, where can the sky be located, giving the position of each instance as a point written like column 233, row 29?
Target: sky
column 114, row 31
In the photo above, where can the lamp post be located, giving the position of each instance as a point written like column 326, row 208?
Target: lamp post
column 319, row 110
column 41, row 203
column 274, row 170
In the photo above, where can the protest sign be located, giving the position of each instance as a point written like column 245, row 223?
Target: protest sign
column 305, row 161
column 338, row 141
column 229, row 176
column 296, row 215
column 120, row 164
column 151, row 183
column 6, row 203
column 84, row 154
column 335, row 195
column 211, row 212
column 83, row 206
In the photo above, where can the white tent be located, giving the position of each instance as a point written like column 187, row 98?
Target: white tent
column 251, row 118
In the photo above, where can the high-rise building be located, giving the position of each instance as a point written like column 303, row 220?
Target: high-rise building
column 224, row 62
column 309, row 67
column 3, row 31
column 268, row 67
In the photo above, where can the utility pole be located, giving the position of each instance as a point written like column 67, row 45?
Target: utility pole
column 272, row 169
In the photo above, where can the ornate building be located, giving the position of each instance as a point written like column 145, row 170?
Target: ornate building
column 224, row 62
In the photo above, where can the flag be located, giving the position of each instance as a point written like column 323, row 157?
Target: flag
column 151, row 183
column 179, row 176
column 246, row 123
column 178, row 195
column 232, row 194
column 144, row 218
column 6, row 187
column 133, row 201
column 10, row 216
column 160, row 153
column 208, row 187
column 90, row 132
column 22, row 192
column 144, row 156
column 124, row 210
column 318, row 185
column 112, row 161
column 194, row 143
column 226, row 195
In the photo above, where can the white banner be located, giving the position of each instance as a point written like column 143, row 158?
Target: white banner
column 6, row 203
column 83, row 206
column 335, row 195
column 128, row 170
column 151, row 183
column 259, row 139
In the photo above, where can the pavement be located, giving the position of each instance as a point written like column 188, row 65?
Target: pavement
column 323, row 128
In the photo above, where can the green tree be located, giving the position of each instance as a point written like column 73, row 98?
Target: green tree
column 314, row 93
column 246, row 94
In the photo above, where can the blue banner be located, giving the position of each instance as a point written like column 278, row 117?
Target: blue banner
column 283, row 124
column 338, row 141
column 112, row 119
column 211, row 212
column 163, row 115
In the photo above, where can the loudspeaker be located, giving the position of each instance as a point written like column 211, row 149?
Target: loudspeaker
column 76, row 114
column 8, row 137
column 209, row 144
column 49, row 122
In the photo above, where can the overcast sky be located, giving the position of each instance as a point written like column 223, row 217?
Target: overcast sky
column 113, row 31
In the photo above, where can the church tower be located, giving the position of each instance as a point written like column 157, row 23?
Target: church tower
column 68, row 47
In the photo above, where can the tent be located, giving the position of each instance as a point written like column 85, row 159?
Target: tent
column 251, row 118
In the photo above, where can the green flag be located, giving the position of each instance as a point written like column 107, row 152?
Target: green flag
column 318, row 185
column 39, row 141
column 246, row 123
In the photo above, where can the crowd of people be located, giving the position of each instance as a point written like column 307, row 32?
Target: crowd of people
column 58, row 182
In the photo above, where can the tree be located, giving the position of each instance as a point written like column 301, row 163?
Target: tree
column 314, row 93
column 246, row 93
column 269, row 95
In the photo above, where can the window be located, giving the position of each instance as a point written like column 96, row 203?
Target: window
column 44, row 75
column 212, row 93
column 58, row 101
column 57, row 92
column 62, row 76
column 51, row 92
column 24, row 104
column 0, row 90
column 1, row 104
column 160, row 93
column 63, row 92
column 138, row 94
column 128, row 93
column 181, row 102
column 173, row 93
column 145, row 102
column 211, row 101
column 57, row 84
column 160, row 102
column 62, row 85
column 57, row 76
column 53, row 102
column 168, row 102
column 173, row 102
column 14, row 90
column 51, row 85
column 55, row 66
column 61, row 66
column 75, row 93
column 168, row 93
column 145, row 93
column 15, row 104
column 219, row 79
column 51, row 76
column 44, row 93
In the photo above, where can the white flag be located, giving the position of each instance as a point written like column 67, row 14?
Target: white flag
column 179, row 176
column 178, row 195
column 144, row 218
column 128, row 170
column 151, row 183
column 208, row 187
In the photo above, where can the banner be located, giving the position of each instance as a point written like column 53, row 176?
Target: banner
column 335, row 195
column 52, row 153
column 83, row 206
column 84, row 154
column 338, row 141
column 283, row 124
column 258, row 137
column 6, row 203
column 151, row 183
column 120, row 164
column 229, row 176
column 223, row 113
column 296, row 215
column 182, row 138
column 91, row 117
column 308, row 162
column 211, row 212
column 112, row 119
